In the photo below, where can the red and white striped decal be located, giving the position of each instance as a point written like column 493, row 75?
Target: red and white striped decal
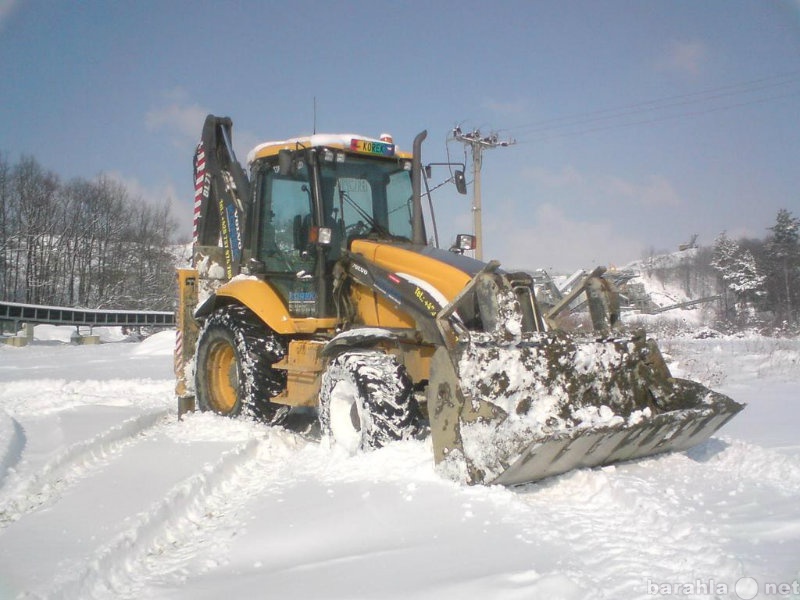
column 179, row 361
column 200, row 189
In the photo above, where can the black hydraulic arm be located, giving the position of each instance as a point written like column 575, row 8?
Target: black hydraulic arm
column 222, row 190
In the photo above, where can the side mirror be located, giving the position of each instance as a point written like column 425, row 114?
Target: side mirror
column 285, row 162
column 460, row 181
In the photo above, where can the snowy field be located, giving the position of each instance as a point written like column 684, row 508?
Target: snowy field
column 104, row 494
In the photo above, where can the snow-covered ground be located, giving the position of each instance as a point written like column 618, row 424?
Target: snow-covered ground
column 105, row 494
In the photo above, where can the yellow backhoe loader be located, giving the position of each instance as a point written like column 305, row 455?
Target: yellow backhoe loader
column 315, row 302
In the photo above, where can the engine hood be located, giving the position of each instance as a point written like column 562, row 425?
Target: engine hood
column 446, row 272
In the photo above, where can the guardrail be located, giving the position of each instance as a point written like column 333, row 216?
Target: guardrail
column 684, row 304
column 60, row 315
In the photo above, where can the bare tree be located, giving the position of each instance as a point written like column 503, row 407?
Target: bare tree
column 6, row 228
column 86, row 243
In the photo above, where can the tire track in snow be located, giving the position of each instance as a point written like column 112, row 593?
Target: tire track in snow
column 196, row 519
column 41, row 397
column 12, row 435
column 77, row 462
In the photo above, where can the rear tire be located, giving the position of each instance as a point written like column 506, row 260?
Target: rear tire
column 234, row 374
column 367, row 401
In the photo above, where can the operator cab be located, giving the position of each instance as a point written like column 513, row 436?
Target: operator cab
column 311, row 198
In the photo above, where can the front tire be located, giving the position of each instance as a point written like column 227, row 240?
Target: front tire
column 367, row 401
column 234, row 374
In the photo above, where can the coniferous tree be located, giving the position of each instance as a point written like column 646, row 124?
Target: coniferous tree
column 747, row 284
column 723, row 260
column 740, row 274
column 783, row 252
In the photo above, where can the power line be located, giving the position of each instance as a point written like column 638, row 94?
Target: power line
column 681, row 115
column 624, row 113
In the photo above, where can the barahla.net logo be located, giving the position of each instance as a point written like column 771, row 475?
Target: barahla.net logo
column 746, row 588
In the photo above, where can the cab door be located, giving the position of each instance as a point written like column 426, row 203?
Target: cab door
column 283, row 219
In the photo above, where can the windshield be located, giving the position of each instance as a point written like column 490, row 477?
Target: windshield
column 367, row 196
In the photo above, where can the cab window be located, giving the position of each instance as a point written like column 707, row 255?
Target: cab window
column 283, row 247
column 284, row 219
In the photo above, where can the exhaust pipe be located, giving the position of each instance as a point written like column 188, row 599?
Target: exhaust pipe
column 417, row 227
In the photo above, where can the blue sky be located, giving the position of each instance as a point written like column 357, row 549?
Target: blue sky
column 638, row 123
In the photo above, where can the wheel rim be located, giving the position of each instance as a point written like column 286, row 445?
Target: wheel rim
column 223, row 378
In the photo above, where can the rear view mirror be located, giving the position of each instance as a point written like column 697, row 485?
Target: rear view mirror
column 285, row 162
column 458, row 174
column 460, row 181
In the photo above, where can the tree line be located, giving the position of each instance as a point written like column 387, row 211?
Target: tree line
column 82, row 243
column 758, row 280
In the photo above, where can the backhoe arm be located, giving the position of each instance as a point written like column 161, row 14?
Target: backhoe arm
column 221, row 193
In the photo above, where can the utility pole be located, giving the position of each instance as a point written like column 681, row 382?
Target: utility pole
column 478, row 143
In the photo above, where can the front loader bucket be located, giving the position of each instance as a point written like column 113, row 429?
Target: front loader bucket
column 545, row 404
column 666, row 432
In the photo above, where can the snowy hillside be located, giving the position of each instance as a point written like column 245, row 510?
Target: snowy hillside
column 670, row 279
column 650, row 286
column 104, row 494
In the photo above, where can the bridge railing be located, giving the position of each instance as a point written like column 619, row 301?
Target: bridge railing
column 59, row 315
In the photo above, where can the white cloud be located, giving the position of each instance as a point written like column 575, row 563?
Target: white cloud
column 148, row 194
column 553, row 241
column 177, row 117
column 565, row 177
column 585, row 220
column 655, row 191
column 183, row 122
column 507, row 107
column 685, row 56
column 6, row 8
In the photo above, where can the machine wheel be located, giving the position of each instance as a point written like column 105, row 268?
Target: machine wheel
column 366, row 401
column 234, row 374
